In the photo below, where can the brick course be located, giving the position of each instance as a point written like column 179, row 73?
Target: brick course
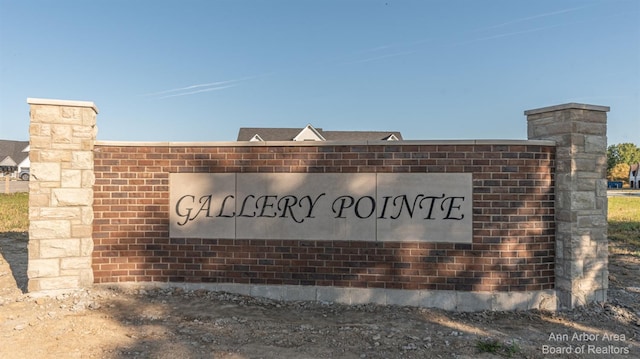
column 513, row 246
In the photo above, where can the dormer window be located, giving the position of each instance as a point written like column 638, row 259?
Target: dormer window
column 309, row 133
column 256, row 138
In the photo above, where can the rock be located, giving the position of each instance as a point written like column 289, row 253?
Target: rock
column 410, row 346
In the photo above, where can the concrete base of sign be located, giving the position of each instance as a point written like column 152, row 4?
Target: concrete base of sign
column 442, row 299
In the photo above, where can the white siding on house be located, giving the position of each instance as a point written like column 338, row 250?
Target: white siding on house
column 634, row 175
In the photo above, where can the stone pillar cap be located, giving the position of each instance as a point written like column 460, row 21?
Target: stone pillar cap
column 567, row 106
column 69, row 103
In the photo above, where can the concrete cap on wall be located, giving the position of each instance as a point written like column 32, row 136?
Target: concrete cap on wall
column 567, row 106
column 69, row 103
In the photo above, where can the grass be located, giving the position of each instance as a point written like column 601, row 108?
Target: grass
column 495, row 347
column 624, row 222
column 14, row 212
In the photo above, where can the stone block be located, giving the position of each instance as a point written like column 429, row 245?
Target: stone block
column 44, row 113
column 559, row 249
column 590, row 128
column 583, row 200
column 70, row 112
column 299, row 293
column 599, row 234
column 582, row 165
column 39, row 130
column 33, row 285
column 536, row 131
column 72, row 197
column 333, row 295
column 406, row 228
column 243, row 289
column 87, row 215
column 404, row 297
column 563, row 282
column 46, row 171
column 70, row 178
column 473, row 301
column 39, row 268
column 443, row 299
column 511, row 301
column 86, row 144
column 86, row 246
column 57, row 213
column 82, row 160
column 59, row 248
column 595, row 144
column 81, row 230
column 322, row 206
column 38, row 200
column 585, row 184
column 592, row 221
column 49, row 229
column 564, row 228
column 89, row 117
column 33, row 249
column 545, row 300
column 88, row 178
column 55, row 156
column 594, row 267
column 85, row 278
column 75, row 263
column 576, row 268
column 600, row 295
column 60, row 282
column 604, row 280
column 61, row 134
column 83, row 132
column 275, row 292
column 602, row 249
column 601, row 190
column 369, row 295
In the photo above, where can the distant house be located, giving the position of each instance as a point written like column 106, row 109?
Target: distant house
column 14, row 157
column 310, row 133
column 634, row 175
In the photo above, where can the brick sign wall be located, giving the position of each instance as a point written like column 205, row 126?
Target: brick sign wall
column 513, row 231
column 110, row 212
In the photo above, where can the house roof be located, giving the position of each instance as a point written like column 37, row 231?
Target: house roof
column 13, row 152
column 292, row 134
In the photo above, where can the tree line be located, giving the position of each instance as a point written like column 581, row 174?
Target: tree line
column 620, row 157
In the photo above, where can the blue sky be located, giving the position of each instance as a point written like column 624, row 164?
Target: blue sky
column 199, row 70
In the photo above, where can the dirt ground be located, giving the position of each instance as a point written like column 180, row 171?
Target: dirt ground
column 106, row 322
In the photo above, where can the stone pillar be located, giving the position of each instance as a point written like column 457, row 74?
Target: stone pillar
column 580, row 133
column 62, row 136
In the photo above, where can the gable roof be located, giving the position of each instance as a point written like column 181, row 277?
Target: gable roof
column 13, row 151
column 290, row 134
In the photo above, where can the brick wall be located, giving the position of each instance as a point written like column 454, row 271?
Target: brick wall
column 513, row 202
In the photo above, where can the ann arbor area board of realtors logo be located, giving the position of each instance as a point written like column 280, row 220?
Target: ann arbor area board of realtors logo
column 431, row 207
